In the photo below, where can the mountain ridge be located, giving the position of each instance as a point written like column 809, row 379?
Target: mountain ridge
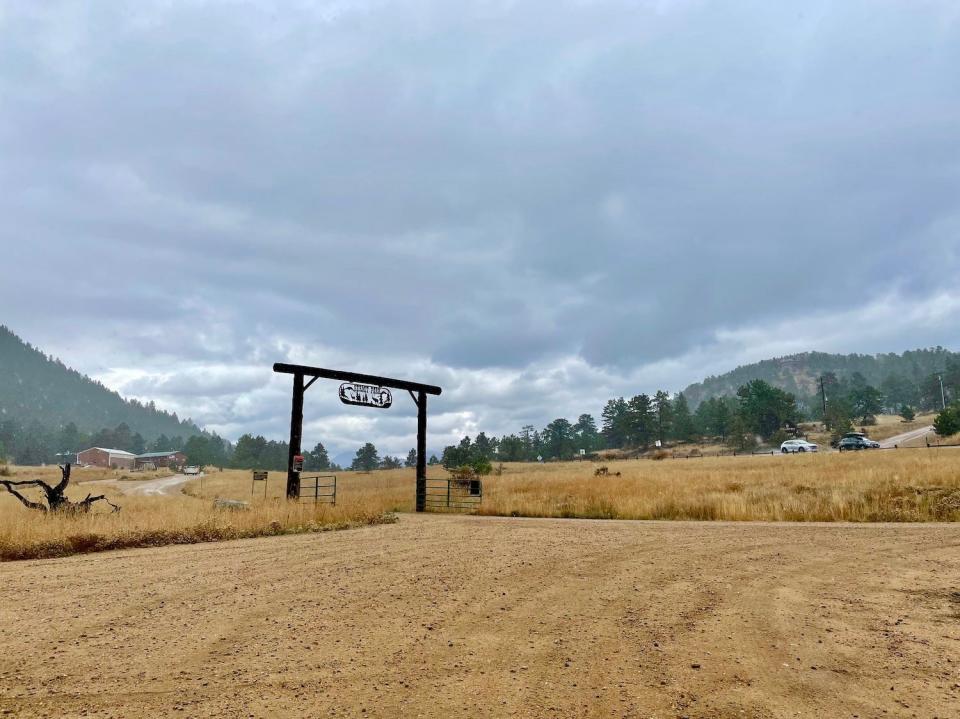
column 799, row 373
column 36, row 387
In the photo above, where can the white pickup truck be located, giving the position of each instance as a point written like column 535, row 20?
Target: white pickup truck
column 191, row 470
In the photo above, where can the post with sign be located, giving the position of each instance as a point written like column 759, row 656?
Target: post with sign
column 259, row 476
column 296, row 435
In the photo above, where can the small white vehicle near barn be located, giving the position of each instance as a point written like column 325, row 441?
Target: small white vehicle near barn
column 191, row 470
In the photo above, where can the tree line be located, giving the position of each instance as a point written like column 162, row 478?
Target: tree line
column 257, row 452
column 638, row 423
column 35, row 443
column 758, row 409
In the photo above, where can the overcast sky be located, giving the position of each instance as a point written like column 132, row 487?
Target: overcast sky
column 535, row 205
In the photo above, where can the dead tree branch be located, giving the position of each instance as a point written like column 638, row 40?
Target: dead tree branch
column 84, row 505
column 56, row 495
column 23, row 500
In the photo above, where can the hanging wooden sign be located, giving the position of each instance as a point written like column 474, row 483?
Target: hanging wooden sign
column 366, row 395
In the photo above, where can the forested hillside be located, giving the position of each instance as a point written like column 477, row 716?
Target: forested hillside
column 37, row 390
column 799, row 373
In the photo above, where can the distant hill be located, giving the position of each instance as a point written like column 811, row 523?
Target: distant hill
column 42, row 389
column 798, row 373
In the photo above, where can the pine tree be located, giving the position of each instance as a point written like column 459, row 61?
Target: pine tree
column 948, row 421
column 663, row 409
column 389, row 462
column 585, row 431
column 615, row 420
column 317, row 459
column 366, row 459
column 683, row 424
column 558, row 439
column 641, row 421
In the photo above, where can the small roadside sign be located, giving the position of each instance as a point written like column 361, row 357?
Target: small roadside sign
column 259, row 475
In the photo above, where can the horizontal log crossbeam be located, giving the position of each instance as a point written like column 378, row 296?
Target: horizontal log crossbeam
column 306, row 371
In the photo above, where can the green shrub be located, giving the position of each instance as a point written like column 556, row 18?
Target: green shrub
column 779, row 437
column 482, row 466
column 464, row 471
column 948, row 421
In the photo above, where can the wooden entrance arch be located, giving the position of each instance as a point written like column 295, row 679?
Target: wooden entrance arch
column 418, row 392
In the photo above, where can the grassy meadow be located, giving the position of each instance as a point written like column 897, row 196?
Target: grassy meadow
column 875, row 486
column 146, row 521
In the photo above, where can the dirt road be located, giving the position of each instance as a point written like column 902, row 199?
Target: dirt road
column 147, row 487
column 156, row 487
column 906, row 437
column 494, row 617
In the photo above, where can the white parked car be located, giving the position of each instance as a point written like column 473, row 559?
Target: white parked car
column 191, row 470
column 798, row 445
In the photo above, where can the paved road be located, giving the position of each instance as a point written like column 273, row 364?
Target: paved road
column 445, row 617
column 906, row 437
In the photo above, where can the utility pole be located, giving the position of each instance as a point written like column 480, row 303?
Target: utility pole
column 943, row 397
column 823, row 395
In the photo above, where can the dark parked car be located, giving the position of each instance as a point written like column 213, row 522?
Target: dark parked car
column 857, row 442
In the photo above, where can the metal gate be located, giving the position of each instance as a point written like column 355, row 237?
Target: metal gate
column 454, row 494
column 319, row 489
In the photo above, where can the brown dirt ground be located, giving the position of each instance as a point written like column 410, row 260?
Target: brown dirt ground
column 492, row 617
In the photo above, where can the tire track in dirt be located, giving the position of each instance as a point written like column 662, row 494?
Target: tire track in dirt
column 442, row 616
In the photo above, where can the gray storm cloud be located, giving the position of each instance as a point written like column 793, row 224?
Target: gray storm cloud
column 612, row 196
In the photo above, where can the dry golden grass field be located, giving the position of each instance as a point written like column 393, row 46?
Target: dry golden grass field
column 150, row 520
column 877, row 486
